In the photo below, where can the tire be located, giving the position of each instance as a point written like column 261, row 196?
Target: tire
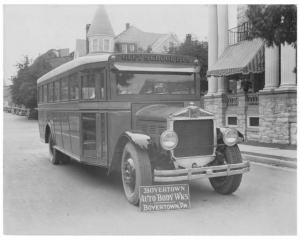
column 228, row 184
column 136, row 171
column 54, row 154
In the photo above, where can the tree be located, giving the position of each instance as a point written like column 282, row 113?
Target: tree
column 276, row 24
column 196, row 49
column 19, row 80
column 24, row 87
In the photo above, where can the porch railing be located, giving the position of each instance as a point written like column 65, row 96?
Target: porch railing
column 252, row 99
column 232, row 100
column 239, row 33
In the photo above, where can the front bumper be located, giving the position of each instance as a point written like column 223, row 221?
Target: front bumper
column 188, row 174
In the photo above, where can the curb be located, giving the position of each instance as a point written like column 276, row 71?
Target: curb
column 281, row 162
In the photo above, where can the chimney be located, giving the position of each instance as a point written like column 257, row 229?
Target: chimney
column 127, row 26
column 87, row 27
column 188, row 38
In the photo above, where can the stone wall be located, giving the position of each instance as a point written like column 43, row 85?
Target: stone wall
column 277, row 112
column 216, row 105
column 278, row 116
column 252, row 133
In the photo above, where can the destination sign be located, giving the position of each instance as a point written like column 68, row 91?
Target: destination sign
column 164, row 197
column 153, row 58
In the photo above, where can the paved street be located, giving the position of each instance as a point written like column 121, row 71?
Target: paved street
column 40, row 198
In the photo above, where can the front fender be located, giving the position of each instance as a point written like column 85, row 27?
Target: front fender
column 220, row 132
column 137, row 138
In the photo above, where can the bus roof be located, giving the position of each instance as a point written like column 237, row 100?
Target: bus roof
column 132, row 61
column 74, row 63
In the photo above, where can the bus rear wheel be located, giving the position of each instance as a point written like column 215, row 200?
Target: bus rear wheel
column 136, row 172
column 52, row 151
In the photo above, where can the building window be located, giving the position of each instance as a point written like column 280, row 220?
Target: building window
column 87, row 86
column 95, row 45
column 231, row 121
column 56, row 91
column 124, row 48
column 74, row 87
column 131, row 47
column 64, row 89
column 106, row 44
column 253, row 121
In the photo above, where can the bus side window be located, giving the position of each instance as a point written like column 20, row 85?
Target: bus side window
column 74, row 87
column 40, row 94
column 50, row 92
column 99, row 78
column 87, row 86
column 56, row 91
column 45, row 93
column 64, row 89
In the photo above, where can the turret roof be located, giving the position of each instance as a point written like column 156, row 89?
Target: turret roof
column 101, row 24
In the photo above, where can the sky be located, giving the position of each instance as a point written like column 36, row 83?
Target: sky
column 34, row 29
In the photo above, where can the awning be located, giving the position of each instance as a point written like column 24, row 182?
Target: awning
column 242, row 58
column 140, row 67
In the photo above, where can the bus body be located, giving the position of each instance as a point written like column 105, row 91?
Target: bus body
column 133, row 113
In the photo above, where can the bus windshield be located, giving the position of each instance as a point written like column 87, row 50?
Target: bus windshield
column 155, row 83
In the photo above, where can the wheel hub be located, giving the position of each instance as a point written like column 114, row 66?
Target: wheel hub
column 129, row 173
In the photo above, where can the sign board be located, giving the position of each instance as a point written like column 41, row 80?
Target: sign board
column 154, row 58
column 164, row 197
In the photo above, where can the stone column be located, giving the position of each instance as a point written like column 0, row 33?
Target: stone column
column 212, row 46
column 222, row 12
column 271, row 68
column 212, row 85
column 222, row 85
column 222, row 28
column 288, row 64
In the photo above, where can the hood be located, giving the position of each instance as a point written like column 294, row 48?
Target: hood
column 157, row 112
column 161, row 112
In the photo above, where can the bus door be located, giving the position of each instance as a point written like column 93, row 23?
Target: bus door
column 94, row 138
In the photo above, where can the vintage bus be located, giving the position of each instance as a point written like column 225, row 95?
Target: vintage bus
column 138, row 114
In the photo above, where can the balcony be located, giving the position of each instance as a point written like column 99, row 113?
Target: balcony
column 239, row 33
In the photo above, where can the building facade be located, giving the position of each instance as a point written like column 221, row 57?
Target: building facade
column 251, row 87
column 133, row 39
column 100, row 38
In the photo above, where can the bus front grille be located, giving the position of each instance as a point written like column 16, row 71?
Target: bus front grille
column 195, row 137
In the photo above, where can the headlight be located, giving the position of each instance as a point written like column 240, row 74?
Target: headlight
column 168, row 140
column 230, row 137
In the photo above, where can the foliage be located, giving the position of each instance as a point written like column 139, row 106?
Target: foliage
column 24, row 87
column 276, row 24
column 196, row 49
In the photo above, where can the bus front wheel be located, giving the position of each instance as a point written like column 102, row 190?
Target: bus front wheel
column 136, row 172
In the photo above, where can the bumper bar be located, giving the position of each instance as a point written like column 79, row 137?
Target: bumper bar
column 202, row 172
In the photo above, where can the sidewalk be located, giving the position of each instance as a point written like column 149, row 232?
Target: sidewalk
column 269, row 155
